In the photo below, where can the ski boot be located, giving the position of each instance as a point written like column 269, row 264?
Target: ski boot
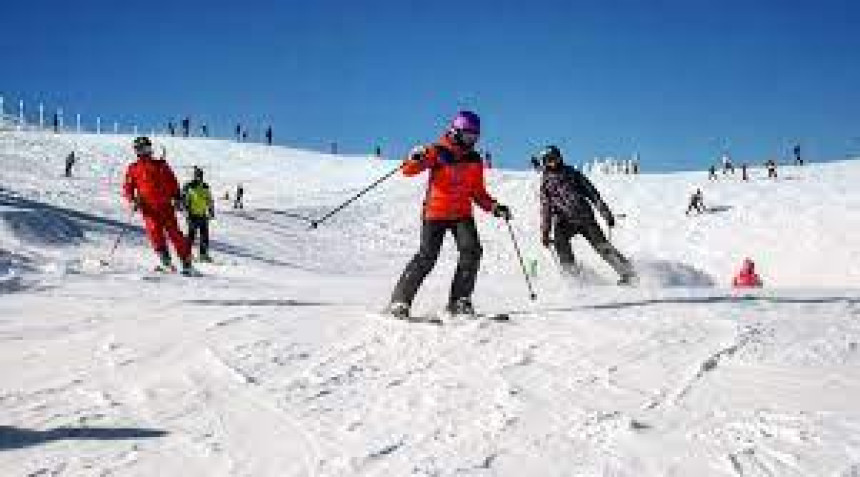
column 462, row 308
column 204, row 258
column 627, row 279
column 398, row 310
column 166, row 265
column 187, row 269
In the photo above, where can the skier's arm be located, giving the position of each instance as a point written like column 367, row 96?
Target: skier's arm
column 210, row 202
column 480, row 194
column 591, row 193
column 129, row 186
column 420, row 158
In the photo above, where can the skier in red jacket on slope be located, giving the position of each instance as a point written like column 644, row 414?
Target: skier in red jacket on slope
column 151, row 187
column 455, row 183
column 747, row 277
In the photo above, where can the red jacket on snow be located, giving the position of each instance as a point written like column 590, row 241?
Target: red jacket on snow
column 456, row 180
column 152, row 182
column 747, row 277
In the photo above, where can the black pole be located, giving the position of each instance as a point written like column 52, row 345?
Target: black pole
column 532, row 294
column 315, row 223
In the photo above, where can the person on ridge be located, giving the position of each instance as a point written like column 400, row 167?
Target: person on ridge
column 747, row 277
column 70, row 163
column 456, row 180
column 151, row 187
column 199, row 210
column 566, row 200
column 697, row 203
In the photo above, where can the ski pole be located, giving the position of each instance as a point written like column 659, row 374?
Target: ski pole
column 106, row 261
column 315, row 223
column 532, row 294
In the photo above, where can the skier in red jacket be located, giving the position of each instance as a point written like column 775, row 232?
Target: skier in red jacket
column 747, row 277
column 456, row 181
column 151, row 187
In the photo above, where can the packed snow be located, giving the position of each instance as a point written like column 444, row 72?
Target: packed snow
column 276, row 362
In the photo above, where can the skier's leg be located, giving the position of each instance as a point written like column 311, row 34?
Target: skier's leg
column 561, row 242
column 594, row 234
column 192, row 229
column 155, row 233
column 469, row 248
column 204, row 237
column 180, row 243
column 432, row 233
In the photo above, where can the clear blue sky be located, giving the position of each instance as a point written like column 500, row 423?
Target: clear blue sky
column 672, row 79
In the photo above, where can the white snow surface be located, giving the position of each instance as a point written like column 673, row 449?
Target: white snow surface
column 275, row 362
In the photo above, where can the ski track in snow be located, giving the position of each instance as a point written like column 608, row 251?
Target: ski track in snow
column 275, row 362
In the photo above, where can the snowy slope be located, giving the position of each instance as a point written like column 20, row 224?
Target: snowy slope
column 273, row 363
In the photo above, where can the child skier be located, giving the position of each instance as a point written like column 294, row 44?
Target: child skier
column 566, row 199
column 747, row 277
column 199, row 210
column 151, row 187
column 456, row 180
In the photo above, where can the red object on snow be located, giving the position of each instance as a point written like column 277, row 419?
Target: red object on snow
column 747, row 277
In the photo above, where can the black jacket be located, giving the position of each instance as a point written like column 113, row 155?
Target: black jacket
column 566, row 196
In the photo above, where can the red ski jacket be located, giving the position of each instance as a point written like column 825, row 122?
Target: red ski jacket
column 747, row 277
column 152, row 182
column 456, row 180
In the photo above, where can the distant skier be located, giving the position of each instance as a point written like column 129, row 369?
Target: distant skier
column 199, row 210
column 151, row 187
column 727, row 164
column 712, row 173
column 56, row 123
column 456, row 180
column 747, row 277
column 240, row 194
column 744, row 175
column 204, row 130
column 797, row 160
column 186, row 127
column 771, row 168
column 697, row 203
column 70, row 163
column 238, row 132
column 171, row 128
column 244, row 136
column 566, row 200
column 488, row 159
column 377, row 151
column 269, row 135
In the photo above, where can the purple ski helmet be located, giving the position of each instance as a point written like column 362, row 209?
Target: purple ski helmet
column 466, row 121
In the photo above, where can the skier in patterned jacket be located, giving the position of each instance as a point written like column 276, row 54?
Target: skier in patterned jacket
column 566, row 199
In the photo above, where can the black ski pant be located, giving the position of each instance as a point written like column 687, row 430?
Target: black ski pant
column 432, row 234
column 195, row 224
column 565, row 231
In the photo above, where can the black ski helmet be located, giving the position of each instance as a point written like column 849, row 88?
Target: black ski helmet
column 142, row 144
column 198, row 173
column 549, row 152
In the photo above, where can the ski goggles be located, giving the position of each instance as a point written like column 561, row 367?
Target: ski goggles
column 466, row 137
column 143, row 150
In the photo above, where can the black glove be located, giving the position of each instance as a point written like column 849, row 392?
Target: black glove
column 501, row 211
